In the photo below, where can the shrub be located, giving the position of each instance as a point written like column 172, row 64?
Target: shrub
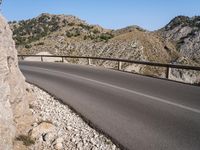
column 106, row 36
column 71, row 24
column 85, row 37
column 27, row 140
column 40, row 43
column 69, row 34
column 95, row 31
column 28, row 46
column 77, row 33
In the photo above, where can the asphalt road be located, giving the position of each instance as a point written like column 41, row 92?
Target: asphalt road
column 140, row 113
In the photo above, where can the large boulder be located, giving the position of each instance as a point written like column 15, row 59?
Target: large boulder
column 14, row 107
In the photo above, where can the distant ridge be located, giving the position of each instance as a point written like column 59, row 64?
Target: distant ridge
column 177, row 42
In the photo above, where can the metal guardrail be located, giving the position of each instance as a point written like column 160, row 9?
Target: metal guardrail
column 120, row 61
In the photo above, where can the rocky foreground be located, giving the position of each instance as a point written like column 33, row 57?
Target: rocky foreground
column 58, row 127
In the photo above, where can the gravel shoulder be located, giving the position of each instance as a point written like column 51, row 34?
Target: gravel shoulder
column 58, row 127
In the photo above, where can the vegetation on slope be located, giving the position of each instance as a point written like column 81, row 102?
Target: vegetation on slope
column 68, row 35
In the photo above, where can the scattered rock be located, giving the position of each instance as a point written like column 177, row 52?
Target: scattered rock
column 42, row 129
column 49, row 137
column 58, row 144
column 66, row 130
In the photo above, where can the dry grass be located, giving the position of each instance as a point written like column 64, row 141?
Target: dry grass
column 27, row 140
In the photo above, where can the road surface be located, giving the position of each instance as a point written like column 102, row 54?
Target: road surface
column 138, row 112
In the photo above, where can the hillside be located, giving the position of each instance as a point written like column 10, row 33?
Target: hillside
column 69, row 35
column 185, row 33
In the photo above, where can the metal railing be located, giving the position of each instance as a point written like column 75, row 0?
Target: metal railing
column 119, row 61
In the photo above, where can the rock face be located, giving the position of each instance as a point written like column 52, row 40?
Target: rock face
column 185, row 33
column 13, row 95
column 192, row 77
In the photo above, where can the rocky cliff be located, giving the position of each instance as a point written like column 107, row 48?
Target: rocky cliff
column 14, row 96
column 184, row 32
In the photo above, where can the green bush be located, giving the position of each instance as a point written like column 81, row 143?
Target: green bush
column 106, row 36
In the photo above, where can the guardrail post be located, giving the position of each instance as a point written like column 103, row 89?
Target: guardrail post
column 119, row 65
column 167, row 72
column 62, row 59
column 89, row 61
column 41, row 58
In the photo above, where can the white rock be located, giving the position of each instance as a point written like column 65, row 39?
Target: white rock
column 41, row 129
column 58, row 146
column 58, row 143
column 13, row 102
column 49, row 137
column 59, row 140
column 79, row 145
column 71, row 131
column 69, row 128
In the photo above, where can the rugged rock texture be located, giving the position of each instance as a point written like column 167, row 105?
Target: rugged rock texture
column 14, row 112
column 57, row 127
column 185, row 33
column 187, row 76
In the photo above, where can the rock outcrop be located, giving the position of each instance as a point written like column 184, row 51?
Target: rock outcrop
column 188, row 76
column 14, row 109
column 185, row 33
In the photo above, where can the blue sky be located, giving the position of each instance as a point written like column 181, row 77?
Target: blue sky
column 149, row 14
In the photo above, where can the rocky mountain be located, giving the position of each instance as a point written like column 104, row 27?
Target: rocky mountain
column 184, row 32
column 68, row 35
column 15, row 116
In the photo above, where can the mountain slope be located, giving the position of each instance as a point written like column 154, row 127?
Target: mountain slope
column 185, row 33
column 68, row 35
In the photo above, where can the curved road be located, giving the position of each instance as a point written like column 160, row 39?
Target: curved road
column 140, row 113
